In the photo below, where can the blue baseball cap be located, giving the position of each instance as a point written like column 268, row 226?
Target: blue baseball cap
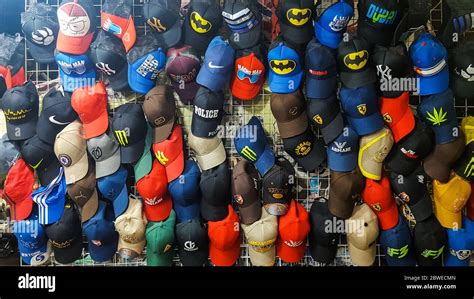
column 101, row 235
column 460, row 242
column 397, row 245
column 251, row 143
column 185, row 192
column 75, row 71
column 217, row 66
column 332, row 23
column 144, row 68
column 342, row 152
column 51, row 199
column 430, row 61
column 321, row 71
column 286, row 72
column 361, row 108
column 114, row 188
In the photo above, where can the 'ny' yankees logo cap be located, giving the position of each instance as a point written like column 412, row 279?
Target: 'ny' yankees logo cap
column 163, row 17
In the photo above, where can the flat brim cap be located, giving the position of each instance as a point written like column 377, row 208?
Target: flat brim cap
column 358, row 79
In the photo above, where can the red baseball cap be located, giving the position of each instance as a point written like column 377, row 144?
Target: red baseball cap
column 6, row 73
column 153, row 188
column 397, row 115
column 379, row 197
column 19, row 77
column 90, row 103
column 18, row 188
column 170, row 153
column 224, row 236
column 248, row 77
column 293, row 229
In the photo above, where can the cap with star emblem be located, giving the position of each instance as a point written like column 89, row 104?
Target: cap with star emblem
column 288, row 110
column 373, row 150
column 84, row 194
column 278, row 187
column 245, row 191
column 160, row 242
column 378, row 196
column 322, row 243
column 306, row 149
column 397, row 115
column 114, row 188
column 170, row 153
column 326, row 115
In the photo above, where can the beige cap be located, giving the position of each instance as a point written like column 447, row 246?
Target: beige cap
column 131, row 227
column 261, row 237
column 363, row 230
column 374, row 148
column 210, row 152
column 70, row 148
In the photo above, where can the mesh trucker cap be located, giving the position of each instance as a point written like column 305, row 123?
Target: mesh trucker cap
column 248, row 76
column 170, row 153
column 116, row 18
column 216, row 192
column 193, row 243
column 162, row 16
column 378, row 20
column 244, row 21
column 224, row 237
column 50, row 199
column 430, row 240
column 18, row 186
column 288, row 110
column 160, row 109
column 332, row 22
column 75, row 71
column 208, row 113
column 321, row 71
column 342, row 152
column 160, row 242
column 397, row 115
column 345, row 187
column 113, row 187
column 463, row 166
column 461, row 69
column 326, row 115
column 105, row 151
column 306, row 149
column 209, row 152
column 296, row 20
column 397, row 244
column 278, row 187
column 285, row 68
column 245, row 191
column 373, row 150
column 84, row 194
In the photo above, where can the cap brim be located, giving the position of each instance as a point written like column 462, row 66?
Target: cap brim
column 171, row 37
column 364, row 258
column 399, row 163
column 333, row 129
column 144, row 165
column 227, row 257
column 47, row 174
column 21, row 210
column 119, row 81
column 105, row 252
column 293, row 128
column 77, row 171
column 342, row 162
column 322, row 254
column 132, row 153
column 175, row 168
column 70, row 254
column 214, row 213
column 320, row 89
column 213, row 81
column 96, row 128
column 247, row 39
column 187, row 213
column 74, row 45
column 137, row 83
column 462, row 89
column 290, row 254
column 21, row 131
column 121, row 202
column 367, row 125
column 212, row 159
column 388, row 219
column 329, row 39
column 448, row 219
column 358, row 79
column 196, row 258
column 159, row 212
column 263, row 259
column 205, row 128
column 109, row 166
column 445, row 134
column 279, row 84
column 162, row 133
column 404, row 126
column 423, row 208
column 436, row 164
column 435, row 84
column 266, row 161
column 251, row 213
column 90, row 208
column 275, row 209
column 43, row 55
column 129, row 251
column 188, row 93
column 245, row 91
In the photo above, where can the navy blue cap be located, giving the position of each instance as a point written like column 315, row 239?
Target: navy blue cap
column 327, row 117
column 208, row 113
column 332, row 23
column 342, row 152
column 361, row 108
column 460, row 243
column 75, row 71
column 398, row 245
column 286, row 71
column 114, row 188
column 321, row 71
column 186, row 193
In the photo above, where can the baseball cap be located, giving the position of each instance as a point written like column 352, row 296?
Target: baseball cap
column 170, row 153
column 460, row 240
column 203, row 21
column 286, row 71
column 325, row 114
column 160, row 108
column 332, row 23
column 84, row 194
column 77, row 23
column 430, row 240
column 296, row 20
column 322, row 243
column 245, row 191
column 20, row 106
column 153, row 189
column 101, row 235
column 244, row 22
column 345, row 187
column 75, row 71
column 193, row 243
column 163, row 17
column 216, row 192
column 429, row 59
column 354, row 64
column 130, row 129
column 106, row 153
column 372, row 152
column 449, row 200
column 412, row 190
column 217, row 66
column 397, row 115
column 50, row 199
column 397, row 245
column 18, row 186
column 361, row 109
column 463, row 165
column 407, row 154
column 251, row 143
column 306, row 149
column 342, row 152
column 461, row 69
column 248, row 77
column 363, row 235
column 66, row 234
column 143, row 166
column 114, row 188
column 209, row 152
column 375, row 26
column 160, row 242
column 40, row 27
column 116, row 18
column 208, row 113
column 108, row 55
column 185, row 192
column 278, row 187
column 261, row 237
column 131, row 227
column 293, row 228
column 90, row 103
column 224, row 239
column 288, row 110
column 182, row 67
column 321, row 71
column 9, row 154
column 57, row 113
column 71, row 150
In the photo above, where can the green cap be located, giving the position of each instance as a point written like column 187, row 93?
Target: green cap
column 143, row 166
column 160, row 242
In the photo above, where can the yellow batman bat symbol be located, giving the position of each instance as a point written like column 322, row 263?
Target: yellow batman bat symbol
column 297, row 16
column 357, row 60
column 282, row 67
column 199, row 24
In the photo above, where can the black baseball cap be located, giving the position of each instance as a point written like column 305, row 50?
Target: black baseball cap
column 321, row 71
column 244, row 22
column 208, row 113
column 245, row 191
column 279, row 187
column 108, row 54
column 57, row 113
column 430, row 240
column 20, row 106
column 461, row 63
column 40, row 27
column 407, row 154
column 463, row 165
column 3, row 86
column 412, row 190
column 354, row 65
column 322, row 244
column 378, row 20
column 326, row 115
column 130, row 127
column 66, row 234
column 296, row 20
column 306, row 149
column 162, row 16
column 216, row 192
column 193, row 243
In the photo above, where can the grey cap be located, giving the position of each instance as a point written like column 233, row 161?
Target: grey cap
column 9, row 153
column 106, row 153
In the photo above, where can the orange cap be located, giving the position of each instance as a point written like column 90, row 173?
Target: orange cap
column 248, row 77
column 224, row 236
column 123, row 28
column 170, row 153
column 6, row 73
column 18, row 188
column 397, row 115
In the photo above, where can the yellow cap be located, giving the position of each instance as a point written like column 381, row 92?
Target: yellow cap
column 467, row 125
column 374, row 148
